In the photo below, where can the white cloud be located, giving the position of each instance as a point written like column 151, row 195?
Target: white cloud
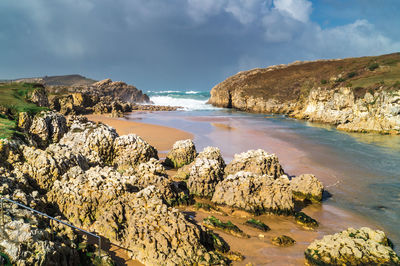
column 297, row 9
column 199, row 10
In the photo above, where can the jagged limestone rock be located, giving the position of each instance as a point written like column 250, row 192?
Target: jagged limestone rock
column 183, row 152
column 307, row 187
column 352, row 247
column 257, row 162
column 47, row 127
column 130, row 150
column 255, row 193
column 204, row 175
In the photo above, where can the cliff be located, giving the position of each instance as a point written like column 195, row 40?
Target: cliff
column 354, row 94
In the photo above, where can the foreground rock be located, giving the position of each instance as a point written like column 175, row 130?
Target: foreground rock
column 352, row 247
column 183, row 152
column 204, row 175
column 283, row 241
column 257, row 162
column 255, row 193
column 307, row 187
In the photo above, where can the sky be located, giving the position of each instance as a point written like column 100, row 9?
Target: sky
column 186, row 44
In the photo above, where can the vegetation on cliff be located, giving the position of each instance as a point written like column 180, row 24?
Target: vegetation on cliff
column 350, row 90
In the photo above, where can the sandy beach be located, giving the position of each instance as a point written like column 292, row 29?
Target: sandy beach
column 161, row 137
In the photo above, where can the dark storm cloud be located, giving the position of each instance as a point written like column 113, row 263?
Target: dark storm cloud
column 179, row 43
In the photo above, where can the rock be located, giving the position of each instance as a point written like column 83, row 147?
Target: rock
column 214, row 223
column 307, row 187
column 352, row 247
column 305, row 220
column 10, row 153
column 255, row 193
column 257, row 162
column 183, row 152
column 212, row 153
column 258, row 224
column 47, row 166
column 39, row 97
column 47, row 127
column 204, row 175
column 130, row 150
column 24, row 121
column 94, row 141
column 283, row 241
column 183, row 173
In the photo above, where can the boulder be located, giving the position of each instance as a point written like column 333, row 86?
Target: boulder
column 352, row 247
column 212, row 153
column 255, row 193
column 257, row 162
column 95, row 141
column 204, row 175
column 130, row 150
column 47, row 127
column 283, row 241
column 10, row 153
column 307, row 187
column 183, row 152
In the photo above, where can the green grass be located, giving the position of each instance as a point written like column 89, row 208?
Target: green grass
column 13, row 100
column 13, row 96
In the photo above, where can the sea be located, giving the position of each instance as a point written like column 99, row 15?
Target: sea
column 361, row 172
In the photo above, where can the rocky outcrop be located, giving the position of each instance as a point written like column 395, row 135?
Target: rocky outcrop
column 94, row 141
column 183, row 152
column 346, row 93
column 352, row 247
column 307, row 187
column 130, row 150
column 46, row 127
column 39, row 97
column 257, row 162
column 204, row 175
column 255, row 193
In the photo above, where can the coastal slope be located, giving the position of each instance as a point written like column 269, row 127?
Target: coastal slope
column 354, row 94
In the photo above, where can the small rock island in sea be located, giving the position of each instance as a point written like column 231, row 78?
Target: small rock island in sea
column 56, row 161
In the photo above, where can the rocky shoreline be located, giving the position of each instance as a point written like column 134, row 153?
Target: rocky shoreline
column 352, row 94
column 88, row 175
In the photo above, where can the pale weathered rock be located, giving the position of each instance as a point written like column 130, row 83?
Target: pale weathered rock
column 24, row 121
column 47, row 166
column 93, row 141
column 204, row 175
column 47, row 127
column 130, row 150
column 255, row 193
column 257, row 162
column 10, row 152
column 307, row 187
column 352, row 247
column 183, row 152
column 212, row 153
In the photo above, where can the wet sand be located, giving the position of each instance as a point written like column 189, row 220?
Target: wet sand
column 161, row 137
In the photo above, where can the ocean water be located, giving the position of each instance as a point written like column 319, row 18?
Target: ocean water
column 363, row 169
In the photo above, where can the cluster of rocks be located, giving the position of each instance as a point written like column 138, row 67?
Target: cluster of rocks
column 253, row 181
column 112, row 185
column 103, row 97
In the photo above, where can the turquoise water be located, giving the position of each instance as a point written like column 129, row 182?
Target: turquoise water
column 367, row 166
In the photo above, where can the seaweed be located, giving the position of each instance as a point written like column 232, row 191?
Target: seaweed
column 215, row 223
column 258, row 224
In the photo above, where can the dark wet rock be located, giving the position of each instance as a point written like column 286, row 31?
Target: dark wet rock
column 283, row 241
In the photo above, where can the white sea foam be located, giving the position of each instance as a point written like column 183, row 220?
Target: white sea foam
column 187, row 104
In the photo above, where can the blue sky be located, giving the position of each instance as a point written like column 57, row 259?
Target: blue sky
column 186, row 44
